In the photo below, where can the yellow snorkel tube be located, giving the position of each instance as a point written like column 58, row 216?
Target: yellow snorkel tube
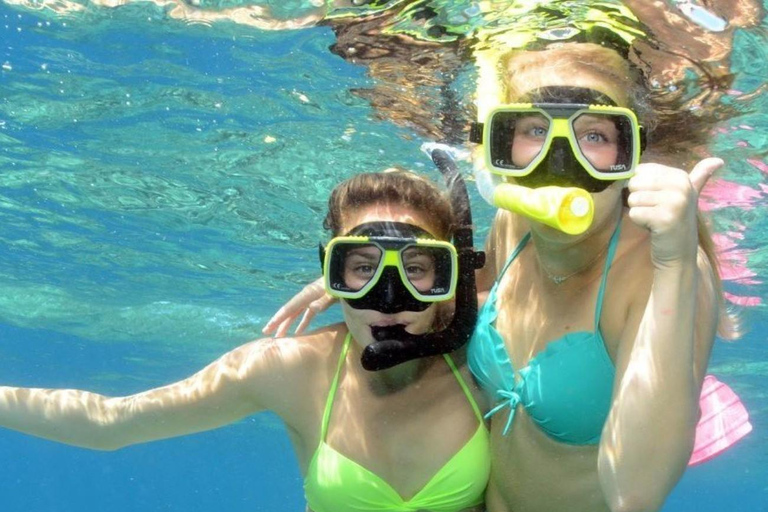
column 568, row 209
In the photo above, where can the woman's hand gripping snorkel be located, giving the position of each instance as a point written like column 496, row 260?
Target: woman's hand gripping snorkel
column 394, row 345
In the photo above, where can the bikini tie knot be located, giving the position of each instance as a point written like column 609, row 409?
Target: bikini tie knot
column 508, row 397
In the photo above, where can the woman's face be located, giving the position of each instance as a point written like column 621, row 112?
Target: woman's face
column 360, row 266
column 597, row 138
column 360, row 321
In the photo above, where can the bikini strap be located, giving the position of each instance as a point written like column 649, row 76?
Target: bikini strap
column 612, row 245
column 464, row 386
column 334, row 387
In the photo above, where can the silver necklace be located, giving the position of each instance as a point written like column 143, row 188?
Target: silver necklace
column 558, row 280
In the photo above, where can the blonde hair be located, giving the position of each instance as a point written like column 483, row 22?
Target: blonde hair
column 499, row 70
column 391, row 187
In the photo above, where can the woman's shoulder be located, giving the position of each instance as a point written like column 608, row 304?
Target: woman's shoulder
column 301, row 353
column 322, row 343
column 287, row 369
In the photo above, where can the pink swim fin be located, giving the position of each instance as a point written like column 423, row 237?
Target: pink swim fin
column 724, row 420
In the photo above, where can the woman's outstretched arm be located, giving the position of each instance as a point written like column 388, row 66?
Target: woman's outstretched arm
column 665, row 346
column 259, row 375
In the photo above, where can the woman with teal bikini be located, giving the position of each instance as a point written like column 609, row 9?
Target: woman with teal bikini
column 593, row 344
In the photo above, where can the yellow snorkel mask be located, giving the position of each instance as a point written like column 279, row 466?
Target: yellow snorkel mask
column 557, row 153
column 390, row 267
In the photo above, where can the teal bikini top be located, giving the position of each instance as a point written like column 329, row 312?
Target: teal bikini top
column 566, row 388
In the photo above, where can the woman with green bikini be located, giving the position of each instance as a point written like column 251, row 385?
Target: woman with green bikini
column 408, row 437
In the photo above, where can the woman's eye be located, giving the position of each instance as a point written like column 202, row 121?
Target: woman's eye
column 414, row 270
column 534, row 131
column 594, row 137
column 534, row 126
column 363, row 270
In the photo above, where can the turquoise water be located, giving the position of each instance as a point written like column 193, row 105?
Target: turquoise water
column 162, row 185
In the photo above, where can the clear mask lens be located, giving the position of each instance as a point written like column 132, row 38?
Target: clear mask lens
column 604, row 140
column 357, row 265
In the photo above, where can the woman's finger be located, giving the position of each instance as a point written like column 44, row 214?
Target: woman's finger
column 312, row 311
column 704, row 170
column 643, row 198
column 274, row 322
column 306, row 318
column 284, row 327
column 295, row 306
column 650, row 177
column 643, row 216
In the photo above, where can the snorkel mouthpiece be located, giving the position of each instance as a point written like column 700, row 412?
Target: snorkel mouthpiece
column 568, row 209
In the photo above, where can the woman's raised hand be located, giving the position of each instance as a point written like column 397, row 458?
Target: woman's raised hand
column 309, row 302
column 664, row 200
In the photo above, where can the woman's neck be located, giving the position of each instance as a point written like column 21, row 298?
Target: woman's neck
column 561, row 261
column 391, row 380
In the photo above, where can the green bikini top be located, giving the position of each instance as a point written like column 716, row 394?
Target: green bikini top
column 336, row 483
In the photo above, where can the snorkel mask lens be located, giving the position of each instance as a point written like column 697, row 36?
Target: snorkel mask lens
column 567, row 139
column 355, row 266
column 396, row 268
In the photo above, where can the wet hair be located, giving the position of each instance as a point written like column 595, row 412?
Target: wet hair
column 498, row 70
column 391, row 187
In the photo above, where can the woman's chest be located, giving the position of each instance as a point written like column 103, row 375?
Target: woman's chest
column 557, row 369
column 404, row 443
column 529, row 318
column 534, row 317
